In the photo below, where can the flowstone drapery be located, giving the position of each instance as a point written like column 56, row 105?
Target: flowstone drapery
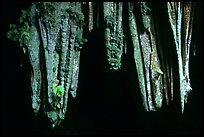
column 51, row 33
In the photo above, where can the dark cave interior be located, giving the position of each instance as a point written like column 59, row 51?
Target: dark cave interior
column 107, row 102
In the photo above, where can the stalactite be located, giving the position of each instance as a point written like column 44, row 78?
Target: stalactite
column 76, row 61
column 145, row 43
column 65, row 31
column 90, row 16
column 187, row 15
column 113, row 33
column 156, row 72
column 137, row 55
column 34, row 53
column 180, row 28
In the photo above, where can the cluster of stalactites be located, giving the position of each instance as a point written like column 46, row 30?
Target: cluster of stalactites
column 153, row 59
column 53, row 42
column 52, row 37
column 146, row 57
column 154, row 64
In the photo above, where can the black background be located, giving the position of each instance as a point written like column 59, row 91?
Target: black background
column 107, row 102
